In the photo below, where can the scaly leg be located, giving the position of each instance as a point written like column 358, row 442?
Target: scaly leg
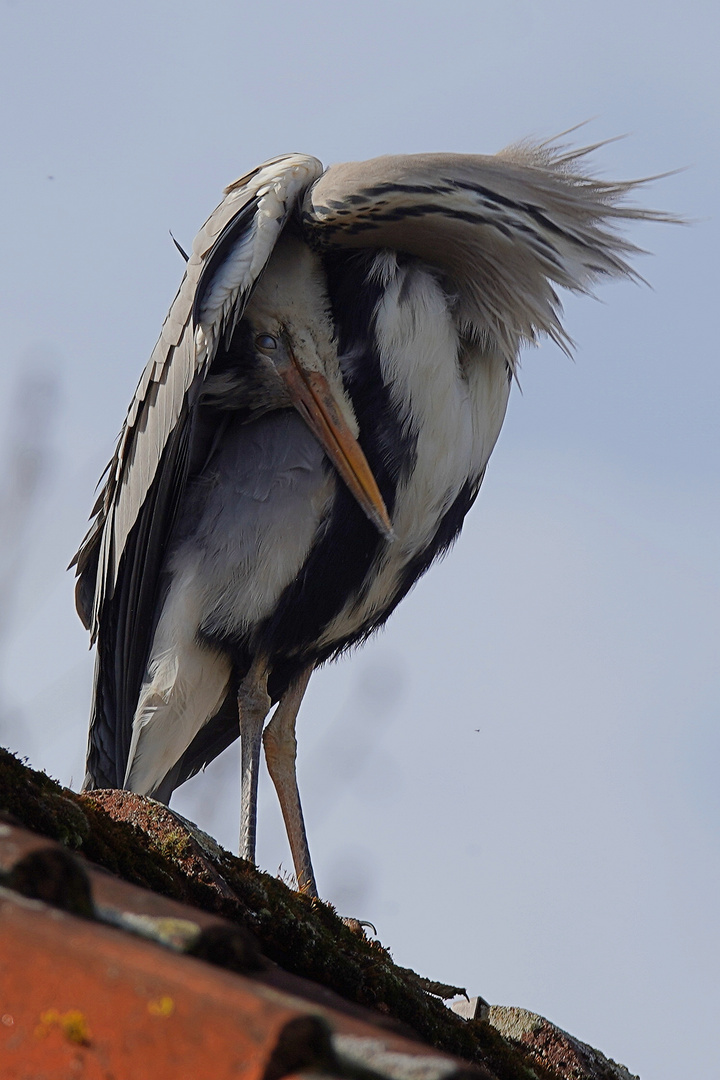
column 253, row 707
column 280, row 754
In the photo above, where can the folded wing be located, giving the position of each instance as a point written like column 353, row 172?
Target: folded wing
column 120, row 560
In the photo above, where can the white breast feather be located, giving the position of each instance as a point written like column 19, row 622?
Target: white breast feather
column 455, row 414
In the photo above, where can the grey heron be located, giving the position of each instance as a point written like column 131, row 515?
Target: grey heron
column 309, row 433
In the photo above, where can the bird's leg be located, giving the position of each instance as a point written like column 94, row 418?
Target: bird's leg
column 253, row 707
column 280, row 753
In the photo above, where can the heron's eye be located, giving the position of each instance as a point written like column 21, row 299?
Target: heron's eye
column 266, row 341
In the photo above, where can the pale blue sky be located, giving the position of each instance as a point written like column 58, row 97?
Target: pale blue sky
column 517, row 781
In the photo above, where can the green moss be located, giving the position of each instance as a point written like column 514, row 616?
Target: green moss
column 507, row 1059
column 175, row 845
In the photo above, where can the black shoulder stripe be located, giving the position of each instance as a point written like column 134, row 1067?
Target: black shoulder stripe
column 447, row 532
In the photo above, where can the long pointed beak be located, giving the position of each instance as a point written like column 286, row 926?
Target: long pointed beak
column 311, row 395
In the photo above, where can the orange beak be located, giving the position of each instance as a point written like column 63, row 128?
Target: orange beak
column 311, row 395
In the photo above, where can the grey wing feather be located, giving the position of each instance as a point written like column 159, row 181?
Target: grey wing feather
column 505, row 229
column 120, row 562
column 224, row 275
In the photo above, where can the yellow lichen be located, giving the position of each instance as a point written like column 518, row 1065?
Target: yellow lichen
column 73, row 1025
column 163, row 1006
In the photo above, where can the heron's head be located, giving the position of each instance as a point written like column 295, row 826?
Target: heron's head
column 292, row 330
column 289, row 314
